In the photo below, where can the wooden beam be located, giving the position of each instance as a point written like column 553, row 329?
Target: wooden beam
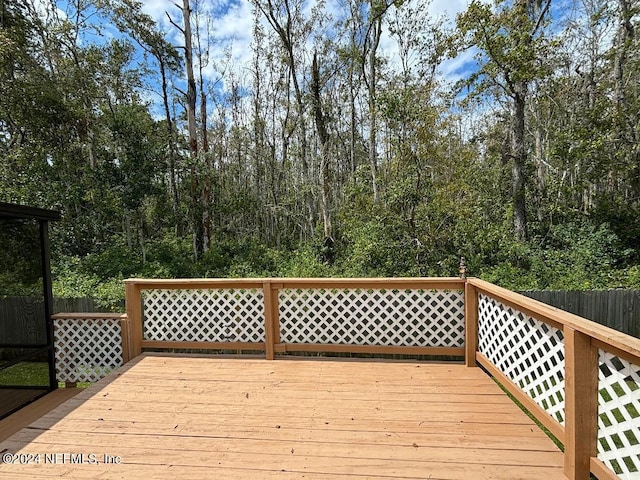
column 203, row 345
column 375, row 283
column 90, row 316
column 269, row 321
column 580, row 404
column 368, row 349
column 126, row 339
column 275, row 315
column 452, row 283
column 601, row 471
column 195, row 283
column 471, row 324
column 134, row 314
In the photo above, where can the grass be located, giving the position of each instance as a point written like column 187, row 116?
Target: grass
column 555, row 440
column 27, row 374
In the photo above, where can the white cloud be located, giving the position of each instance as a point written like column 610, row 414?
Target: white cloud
column 447, row 7
column 156, row 9
column 232, row 28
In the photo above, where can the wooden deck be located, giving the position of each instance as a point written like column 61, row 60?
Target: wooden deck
column 33, row 411
column 170, row 416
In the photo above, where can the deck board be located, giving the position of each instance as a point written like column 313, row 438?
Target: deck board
column 170, row 416
column 33, row 411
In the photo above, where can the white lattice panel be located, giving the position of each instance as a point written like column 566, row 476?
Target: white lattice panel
column 619, row 415
column 372, row 317
column 86, row 349
column 528, row 351
column 215, row 315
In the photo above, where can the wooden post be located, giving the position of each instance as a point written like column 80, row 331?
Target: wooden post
column 126, row 345
column 580, row 403
column 134, row 314
column 471, row 323
column 275, row 289
column 267, row 293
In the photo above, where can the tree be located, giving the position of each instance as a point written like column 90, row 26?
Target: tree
column 323, row 137
column 285, row 18
column 511, row 46
column 196, row 206
column 127, row 15
column 377, row 10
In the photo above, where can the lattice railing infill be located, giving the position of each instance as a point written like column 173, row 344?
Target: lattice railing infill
column 86, row 349
column 355, row 316
column 619, row 415
column 199, row 315
column 526, row 350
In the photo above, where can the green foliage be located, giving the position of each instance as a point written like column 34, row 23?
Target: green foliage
column 87, row 143
column 304, row 262
column 20, row 258
column 571, row 256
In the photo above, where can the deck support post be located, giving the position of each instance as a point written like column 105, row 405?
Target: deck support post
column 581, row 403
column 126, row 339
column 271, row 322
column 471, row 323
column 133, row 304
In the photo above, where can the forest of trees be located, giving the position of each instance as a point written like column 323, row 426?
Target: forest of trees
column 323, row 154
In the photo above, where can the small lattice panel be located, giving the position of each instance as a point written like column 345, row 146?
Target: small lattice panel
column 86, row 349
column 526, row 350
column 422, row 318
column 212, row 315
column 619, row 415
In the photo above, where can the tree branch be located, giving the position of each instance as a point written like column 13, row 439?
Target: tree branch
column 543, row 12
column 180, row 29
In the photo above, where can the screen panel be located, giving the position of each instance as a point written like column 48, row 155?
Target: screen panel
column 25, row 361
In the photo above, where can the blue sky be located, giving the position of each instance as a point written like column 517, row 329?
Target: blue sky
column 231, row 34
column 232, row 25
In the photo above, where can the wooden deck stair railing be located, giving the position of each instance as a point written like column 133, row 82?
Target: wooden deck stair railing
column 579, row 379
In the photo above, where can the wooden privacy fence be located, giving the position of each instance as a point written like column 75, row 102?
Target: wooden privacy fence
column 618, row 309
column 579, row 379
column 20, row 317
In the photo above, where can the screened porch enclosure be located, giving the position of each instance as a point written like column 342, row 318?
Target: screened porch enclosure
column 26, row 346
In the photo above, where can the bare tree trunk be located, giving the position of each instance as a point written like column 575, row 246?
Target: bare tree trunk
column 173, row 184
column 206, row 191
column 284, row 31
column 323, row 136
column 373, row 117
column 540, row 171
column 625, row 33
column 519, row 162
column 196, row 207
column 143, row 248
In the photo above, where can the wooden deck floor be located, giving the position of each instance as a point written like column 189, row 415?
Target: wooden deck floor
column 192, row 417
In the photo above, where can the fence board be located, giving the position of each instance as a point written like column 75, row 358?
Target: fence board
column 20, row 317
column 618, row 309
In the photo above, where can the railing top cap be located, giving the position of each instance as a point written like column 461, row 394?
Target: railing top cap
column 542, row 311
column 160, row 281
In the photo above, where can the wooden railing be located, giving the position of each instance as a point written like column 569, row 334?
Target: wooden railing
column 579, row 379
column 88, row 346
column 379, row 316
